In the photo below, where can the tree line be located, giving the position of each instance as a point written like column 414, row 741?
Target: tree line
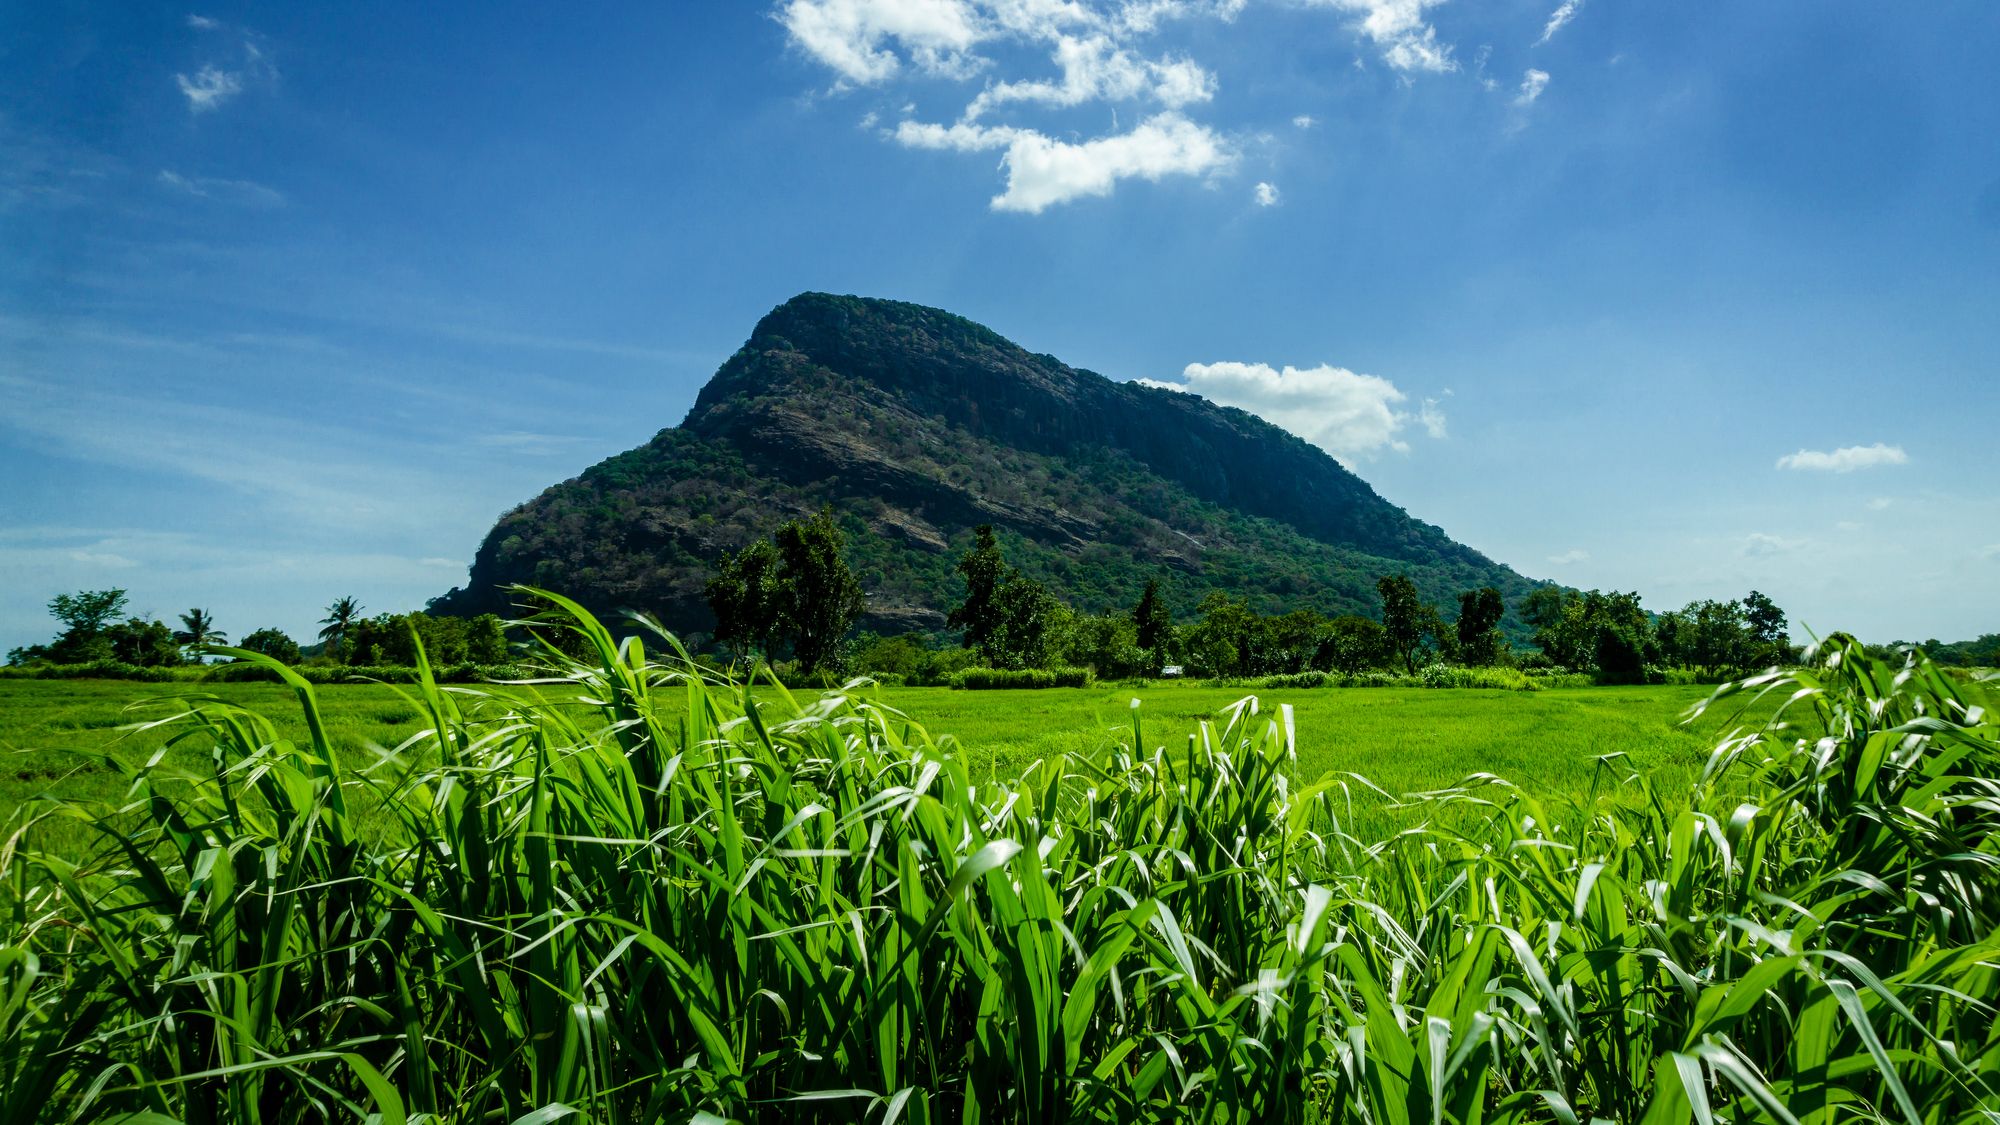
column 794, row 595
column 793, row 598
column 93, row 632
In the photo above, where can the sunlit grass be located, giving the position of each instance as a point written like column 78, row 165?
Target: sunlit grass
column 631, row 895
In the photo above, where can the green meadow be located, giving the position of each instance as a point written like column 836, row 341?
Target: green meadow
column 57, row 737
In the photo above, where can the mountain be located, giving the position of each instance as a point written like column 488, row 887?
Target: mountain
column 916, row 425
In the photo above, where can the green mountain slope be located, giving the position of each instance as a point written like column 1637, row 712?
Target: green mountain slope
column 916, row 426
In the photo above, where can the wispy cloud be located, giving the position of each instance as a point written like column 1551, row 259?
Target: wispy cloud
column 1558, row 19
column 1532, row 85
column 210, row 87
column 242, row 192
column 1431, row 414
column 1758, row 544
column 1574, row 555
column 1304, row 121
column 216, row 83
column 1266, row 195
column 1846, row 459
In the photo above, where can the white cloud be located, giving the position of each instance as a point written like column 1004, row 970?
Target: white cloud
column 1267, row 195
column 1398, row 27
column 202, row 23
column 1092, row 47
column 856, row 38
column 1990, row 552
column 1575, row 555
column 1042, row 171
column 1095, row 68
column 1558, row 18
column 244, row 192
column 1532, row 85
column 1347, row 414
column 1880, row 503
column 1846, row 459
column 209, row 88
column 1304, row 121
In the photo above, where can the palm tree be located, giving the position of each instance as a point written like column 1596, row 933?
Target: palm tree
column 340, row 617
column 198, row 630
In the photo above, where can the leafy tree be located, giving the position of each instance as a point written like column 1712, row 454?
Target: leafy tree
column 339, row 621
column 1571, row 628
column 1404, row 621
column 85, row 615
column 148, row 644
column 1353, row 644
column 1766, row 623
column 1153, row 623
column 198, row 631
column 747, row 598
column 1032, row 622
column 1291, row 642
column 822, row 597
column 87, row 612
column 1765, row 620
column 1108, row 643
column 485, row 640
column 1720, row 641
column 272, row 643
column 1619, row 655
column 1674, row 636
column 980, row 614
column 1480, row 641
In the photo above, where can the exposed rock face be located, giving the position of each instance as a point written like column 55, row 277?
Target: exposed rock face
column 916, row 426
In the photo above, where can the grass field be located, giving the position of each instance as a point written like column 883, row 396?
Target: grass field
column 676, row 908
column 54, row 735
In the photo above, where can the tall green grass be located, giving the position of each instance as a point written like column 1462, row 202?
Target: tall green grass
column 727, row 902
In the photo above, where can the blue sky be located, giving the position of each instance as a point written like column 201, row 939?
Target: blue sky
column 1681, row 298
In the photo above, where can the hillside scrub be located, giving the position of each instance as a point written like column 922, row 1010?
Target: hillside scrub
column 728, row 902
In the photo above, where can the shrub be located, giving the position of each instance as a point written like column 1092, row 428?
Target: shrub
column 990, row 679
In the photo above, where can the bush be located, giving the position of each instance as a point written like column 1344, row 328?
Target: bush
column 1001, row 679
column 1494, row 677
column 1294, row 680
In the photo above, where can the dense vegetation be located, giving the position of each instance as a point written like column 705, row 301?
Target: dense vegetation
column 718, row 903
column 915, row 426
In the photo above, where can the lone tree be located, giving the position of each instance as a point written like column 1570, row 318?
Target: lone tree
column 1766, row 623
column 87, row 612
column 982, row 615
column 87, row 617
column 1405, row 619
column 272, row 643
column 747, row 598
column 197, row 631
column 339, row 621
column 1479, row 613
column 1155, row 623
column 821, row 597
